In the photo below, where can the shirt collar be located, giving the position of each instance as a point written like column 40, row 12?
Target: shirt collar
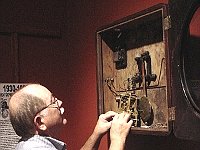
column 57, row 143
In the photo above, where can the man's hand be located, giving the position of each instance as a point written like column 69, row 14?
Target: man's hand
column 104, row 123
column 120, row 128
column 102, row 126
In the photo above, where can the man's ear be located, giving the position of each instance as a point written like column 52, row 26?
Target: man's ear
column 39, row 123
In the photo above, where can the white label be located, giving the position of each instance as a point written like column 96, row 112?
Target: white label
column 8, row 137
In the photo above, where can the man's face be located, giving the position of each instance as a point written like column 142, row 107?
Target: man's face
column 52, row 114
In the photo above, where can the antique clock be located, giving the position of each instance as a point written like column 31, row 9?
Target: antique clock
column 147, row 65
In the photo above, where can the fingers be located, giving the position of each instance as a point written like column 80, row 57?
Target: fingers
column 123, row 116
column 109, row 115
column 104, row 122
column 120, row 127
column 130, row 123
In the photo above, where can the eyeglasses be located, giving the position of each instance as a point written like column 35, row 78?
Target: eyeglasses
column 53, row 104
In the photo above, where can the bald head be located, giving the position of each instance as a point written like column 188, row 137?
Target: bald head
column 24, row 105
column 36, row 90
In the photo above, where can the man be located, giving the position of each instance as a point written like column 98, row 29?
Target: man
column 36, row 115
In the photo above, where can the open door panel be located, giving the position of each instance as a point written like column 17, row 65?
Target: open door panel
column 133, row 70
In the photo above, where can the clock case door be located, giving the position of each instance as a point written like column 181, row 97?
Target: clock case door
column 185, row 39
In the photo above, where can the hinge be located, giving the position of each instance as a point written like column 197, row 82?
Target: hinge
column 171, row 113
column 167, row 23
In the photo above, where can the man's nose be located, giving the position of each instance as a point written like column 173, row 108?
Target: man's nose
column 59, row 102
